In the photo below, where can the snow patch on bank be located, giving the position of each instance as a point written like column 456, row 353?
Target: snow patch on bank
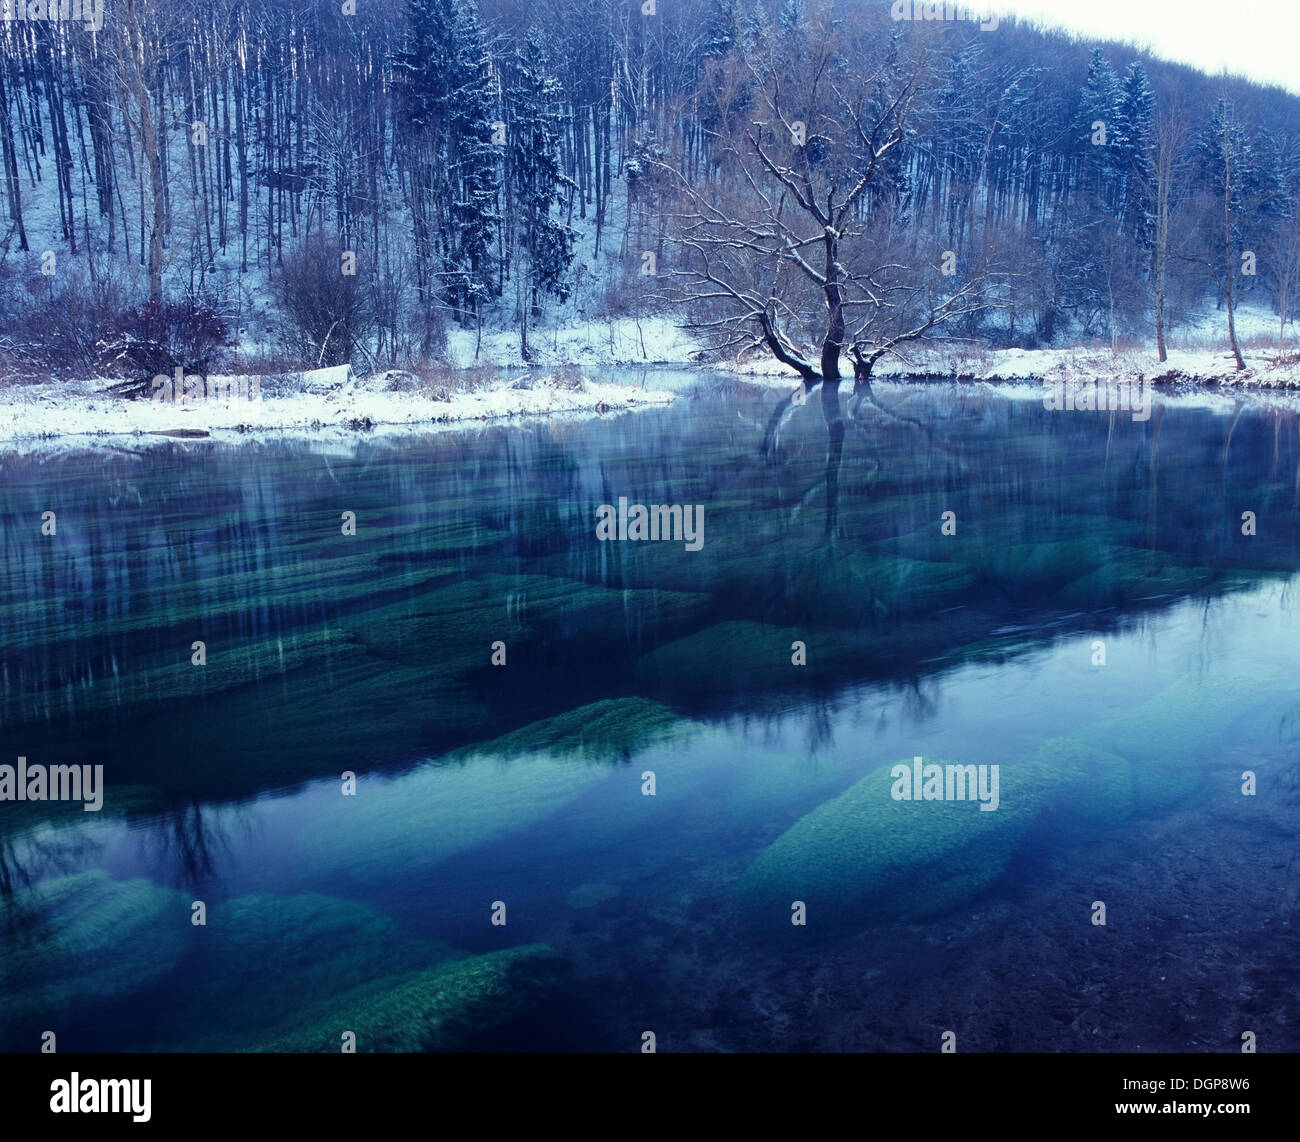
column 938, row 361
column 1189, row 366
column 588, row 344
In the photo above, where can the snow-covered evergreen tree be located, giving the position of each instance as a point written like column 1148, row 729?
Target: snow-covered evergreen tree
column 445, row 76
column 535, row 182
column 1097, row 126
column 1134, row 142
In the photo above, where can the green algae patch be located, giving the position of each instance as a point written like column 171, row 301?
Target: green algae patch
column 1040, row 565
column 740, row 656
column 265, row 958
column 1097, row 786
column 337, row 714
column 247, row 663
column 404, row 825
column 612, row 728
column 846, row 589
column 75, row 943
column 866, row 858
column 1127, row 574
column 1183, row 721
column 442, row 1009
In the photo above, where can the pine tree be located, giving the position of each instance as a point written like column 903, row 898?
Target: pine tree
column 446, row 78
column 422, row 89
column 543, row 245
column 475, row 165
column 1134, row 142
column 1097, row 126
column 722, row 31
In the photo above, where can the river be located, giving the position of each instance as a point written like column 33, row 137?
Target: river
column 340, row 816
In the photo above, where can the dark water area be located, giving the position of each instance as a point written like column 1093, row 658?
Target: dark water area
column 1096, row 620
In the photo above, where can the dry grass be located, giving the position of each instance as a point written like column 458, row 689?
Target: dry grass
column 568, row 377
column 261, row 364
column 439, row 381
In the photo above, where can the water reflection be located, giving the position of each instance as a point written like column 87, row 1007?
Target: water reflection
column 824, row 518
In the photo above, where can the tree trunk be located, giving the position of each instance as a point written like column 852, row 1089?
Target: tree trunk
column 833, row 342
column 1229, row 280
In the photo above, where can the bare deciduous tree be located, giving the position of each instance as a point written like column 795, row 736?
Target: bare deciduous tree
column 795, row 250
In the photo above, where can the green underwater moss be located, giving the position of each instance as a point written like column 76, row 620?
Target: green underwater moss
column 265, row 973
column 434, row 812
column 440, row 1009
column 848, row 588
column 1039, row 566
column 76, row 942
column 609, row 729
column 1166, row 738
column 262, row 958
column 1126, row 574
column 864, row 856
column 739, row 656
column 1097, row 787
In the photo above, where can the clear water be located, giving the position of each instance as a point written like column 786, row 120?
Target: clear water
column 627, row 913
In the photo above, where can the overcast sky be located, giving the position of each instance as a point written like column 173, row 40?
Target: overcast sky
column 1254, row 38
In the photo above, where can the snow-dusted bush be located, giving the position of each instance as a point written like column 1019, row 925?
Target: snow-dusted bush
column 157, row 337
column 325, row 312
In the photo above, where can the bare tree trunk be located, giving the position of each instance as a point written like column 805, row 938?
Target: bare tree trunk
column 1229, row 276
column 134, row 74
column 833, row 342
column 1167, row 145
column 1281, row 324
column 11, row 167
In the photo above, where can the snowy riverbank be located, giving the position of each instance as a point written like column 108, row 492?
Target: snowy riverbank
column 1184, row 367
column 315, row 401
column 337, row 402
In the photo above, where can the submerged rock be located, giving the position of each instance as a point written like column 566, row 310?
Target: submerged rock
column 865, row 856
column 263, row 958
column 1166, row 738
column 406, row 826
column 1097, row 786
column 76, row 943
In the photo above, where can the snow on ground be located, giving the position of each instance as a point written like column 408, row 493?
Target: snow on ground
column 309, row 402
column 938, row 360
column 622, row 341
column 1193, row 366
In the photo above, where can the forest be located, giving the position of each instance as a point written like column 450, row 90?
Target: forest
column 253, row 186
